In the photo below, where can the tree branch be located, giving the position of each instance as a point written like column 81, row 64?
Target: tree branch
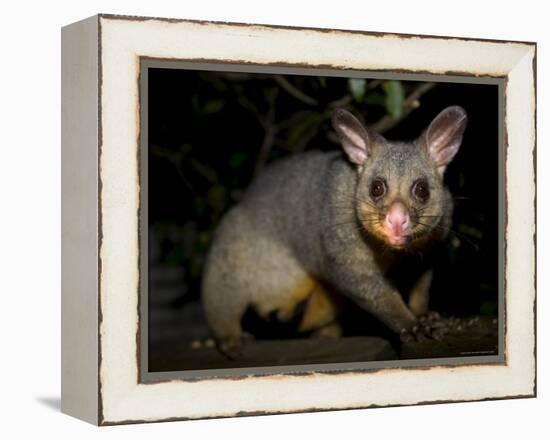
column 271, row 129
column 175, row 158
column 411, row 103
column 293, row 91
column 340, row 102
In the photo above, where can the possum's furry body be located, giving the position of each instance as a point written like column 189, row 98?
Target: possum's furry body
column 297, row 231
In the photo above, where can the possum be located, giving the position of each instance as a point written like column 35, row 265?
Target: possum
column 317, row 223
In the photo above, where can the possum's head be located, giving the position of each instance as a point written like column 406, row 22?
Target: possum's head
column 400, row 197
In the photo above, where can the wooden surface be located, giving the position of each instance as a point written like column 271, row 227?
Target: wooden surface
column 179, row 338
column 480, row 340
column 477, row 336
column 274, row 353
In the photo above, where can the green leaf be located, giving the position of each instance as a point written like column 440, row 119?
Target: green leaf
column 175, row 256
column 237, row 160
column 200, row 205
column 472, row 231
column 395, row 97
column 308, row 122
column 357, row 87
column 375, row 98
column 213, row 106
column 217, row 196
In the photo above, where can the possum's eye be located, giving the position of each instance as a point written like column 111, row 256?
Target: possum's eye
column 421, row 190
column 377, row 188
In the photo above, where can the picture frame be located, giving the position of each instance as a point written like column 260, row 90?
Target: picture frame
column 104, row 60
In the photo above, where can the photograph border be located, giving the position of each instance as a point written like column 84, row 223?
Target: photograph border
column 147, row 376
column 101, row 60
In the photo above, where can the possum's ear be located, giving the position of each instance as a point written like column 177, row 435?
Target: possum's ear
column 444, row 136
column 353, row 136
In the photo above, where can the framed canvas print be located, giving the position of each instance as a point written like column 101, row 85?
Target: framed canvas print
column 261, row 219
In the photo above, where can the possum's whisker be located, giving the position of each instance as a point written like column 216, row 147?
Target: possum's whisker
column 356, row 198
column 342, row 208
column 458, row 234
column 366, row 202
column 336, row 225
column 348, row 207
column 355, row 221
column 424, row 208
column 374, row 217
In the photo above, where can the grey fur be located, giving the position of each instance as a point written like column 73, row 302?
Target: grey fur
column 304, row 216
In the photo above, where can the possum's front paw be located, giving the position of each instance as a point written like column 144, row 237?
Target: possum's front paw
column 428, row 326
column 233, row 347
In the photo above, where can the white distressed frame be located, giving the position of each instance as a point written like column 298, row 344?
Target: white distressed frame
column 120, row 398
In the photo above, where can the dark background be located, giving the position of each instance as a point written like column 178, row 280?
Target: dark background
column 210, row 133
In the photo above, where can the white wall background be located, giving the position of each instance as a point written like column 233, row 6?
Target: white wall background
column 30, row 217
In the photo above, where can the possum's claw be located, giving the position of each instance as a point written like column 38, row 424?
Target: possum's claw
column 428, row 326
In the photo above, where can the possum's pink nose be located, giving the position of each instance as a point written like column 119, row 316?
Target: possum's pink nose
column 397, row 219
